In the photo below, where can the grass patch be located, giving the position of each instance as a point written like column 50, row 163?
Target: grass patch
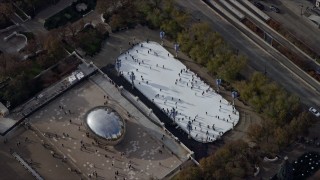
column 5, row 22
column 35, row 7
column 29, row 35
column 69, row 14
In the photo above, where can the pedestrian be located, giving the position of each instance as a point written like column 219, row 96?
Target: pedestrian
column 62, row 145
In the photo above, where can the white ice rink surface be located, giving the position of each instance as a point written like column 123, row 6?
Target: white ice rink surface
column 200, row 105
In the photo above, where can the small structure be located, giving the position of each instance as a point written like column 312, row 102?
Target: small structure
column 285, row 171
column 105, row 123
column 315, row 19
column 81, row 7
column 3, row 110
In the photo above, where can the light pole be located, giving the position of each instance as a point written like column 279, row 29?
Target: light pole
column 118, row 65
column 218, row 82
column 176, row 48
column 189, row 127
column 162, row 34
column 234, row 95
column 120, row 49
column 132, row 77
column 301, row 9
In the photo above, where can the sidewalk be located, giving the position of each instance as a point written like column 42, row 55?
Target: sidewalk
column 152, row 129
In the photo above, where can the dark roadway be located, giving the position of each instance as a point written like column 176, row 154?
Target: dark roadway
column 258, row 58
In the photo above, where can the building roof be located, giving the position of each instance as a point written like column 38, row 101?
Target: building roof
column 3, row 109
column 315, row 19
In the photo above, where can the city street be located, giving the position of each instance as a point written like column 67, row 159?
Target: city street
column 263, row 60
column 299, row 25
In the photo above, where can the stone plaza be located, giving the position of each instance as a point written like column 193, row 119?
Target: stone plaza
column 55, row 141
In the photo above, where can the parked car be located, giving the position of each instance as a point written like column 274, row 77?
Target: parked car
column 314, row 111
column 274, row 9
column 258, row 5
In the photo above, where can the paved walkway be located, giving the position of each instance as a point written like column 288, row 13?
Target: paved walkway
column 63, row 130
column 153, row 129
column 35, row 25
column 13, row 44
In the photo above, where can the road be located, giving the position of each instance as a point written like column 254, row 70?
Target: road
column 290, row 17
column 258, row 58
column 282, row 40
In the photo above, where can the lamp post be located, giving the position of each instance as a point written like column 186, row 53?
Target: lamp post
column 120, row 49
column 118, row 65
column 218, row 82
column 176, row 48
column 301, row 9
column 132, row 77
column 162, row 34
column 234, row 95
column 189, row 127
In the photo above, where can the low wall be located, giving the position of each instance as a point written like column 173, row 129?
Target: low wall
column 9, row 28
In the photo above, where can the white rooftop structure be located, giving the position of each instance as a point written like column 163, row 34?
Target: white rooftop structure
column 315, row 19
column 3, row 110
column 76, row 75
column 179, row 92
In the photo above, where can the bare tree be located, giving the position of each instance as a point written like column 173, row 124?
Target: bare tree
column 101, row 28
column 32, row 47
column 72, row 29
column 6, row 9
column 9, row 63
column 62, row 31
column 81, row 24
